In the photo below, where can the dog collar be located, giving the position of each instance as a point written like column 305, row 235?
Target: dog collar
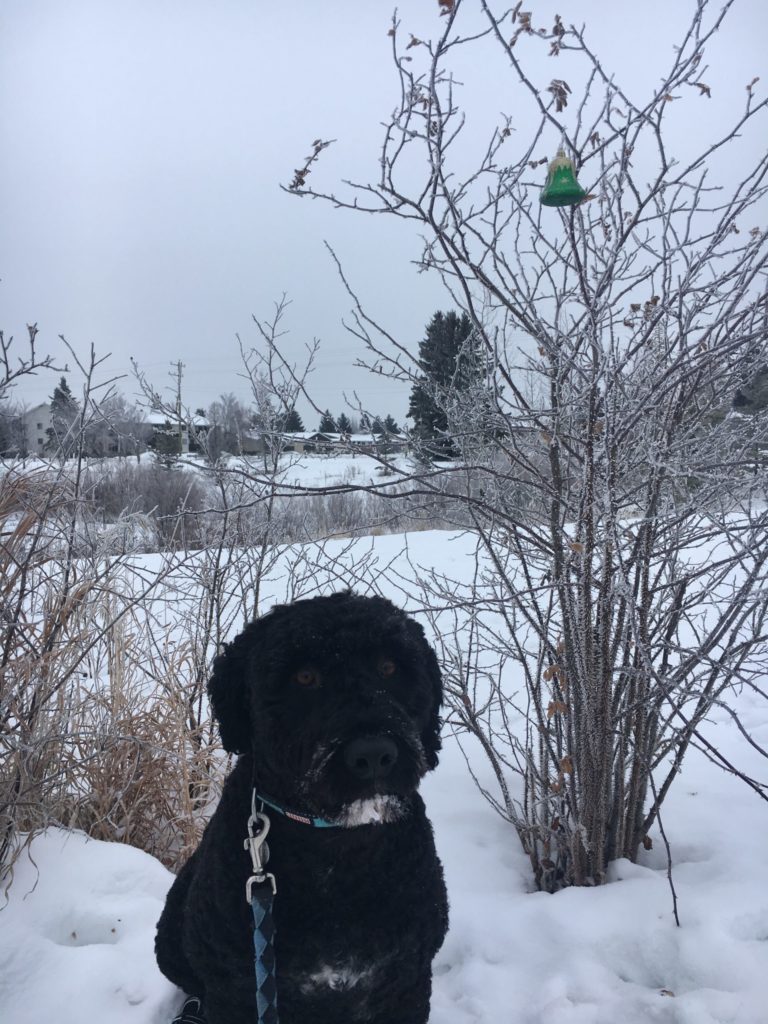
column 303, row 819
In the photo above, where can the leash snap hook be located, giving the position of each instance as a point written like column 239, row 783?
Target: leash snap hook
column 255, row 844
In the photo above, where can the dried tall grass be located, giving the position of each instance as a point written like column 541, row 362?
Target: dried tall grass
column 103, row 725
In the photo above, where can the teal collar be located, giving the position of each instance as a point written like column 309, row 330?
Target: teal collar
column 303, row 819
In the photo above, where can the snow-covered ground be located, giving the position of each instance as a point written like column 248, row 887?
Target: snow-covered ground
column 294, row 469
column 76, row 936
column 307, row 470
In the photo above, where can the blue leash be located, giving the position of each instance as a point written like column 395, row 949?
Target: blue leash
column 260, row 892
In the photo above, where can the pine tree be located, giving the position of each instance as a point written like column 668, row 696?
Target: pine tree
column 344, row 424
column 10, row 428
column 64, row 412
column 390, row 426
column 327, row 423
column 292, row 424
column 166, row 444
column 448, row 362
column 754, row 397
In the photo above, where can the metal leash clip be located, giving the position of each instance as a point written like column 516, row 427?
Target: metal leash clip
column 258, row 828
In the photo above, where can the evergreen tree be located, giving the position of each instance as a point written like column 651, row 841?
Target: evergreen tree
column 64, row 412
column 327, row 423
column 365, row 423
column 166, row 444
column 390, row 426
column 377, row 427
column 11, row 428
column 448, row 362
column 344, row 424
column 754, row 397
column 292, row 424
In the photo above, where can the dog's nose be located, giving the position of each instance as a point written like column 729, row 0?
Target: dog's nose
column 370, row 757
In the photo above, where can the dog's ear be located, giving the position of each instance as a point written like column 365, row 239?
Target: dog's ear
column 228, row 690
column 430, row 737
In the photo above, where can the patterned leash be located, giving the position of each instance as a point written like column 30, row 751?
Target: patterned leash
column 260, row 892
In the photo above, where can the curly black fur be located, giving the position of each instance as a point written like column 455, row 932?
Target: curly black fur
column 360, row 910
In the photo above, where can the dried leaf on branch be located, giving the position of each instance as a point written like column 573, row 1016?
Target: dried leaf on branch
column 560, row 91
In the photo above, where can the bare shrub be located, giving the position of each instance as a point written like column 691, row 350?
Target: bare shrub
column 56, row 611
column 104, row 720
column 168, row 494
column 88, row 736
column 620, row 512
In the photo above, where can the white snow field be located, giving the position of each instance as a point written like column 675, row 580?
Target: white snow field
column 294, row 469
column 76, row 937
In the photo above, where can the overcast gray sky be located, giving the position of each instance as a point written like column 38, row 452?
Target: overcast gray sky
column 142, row 147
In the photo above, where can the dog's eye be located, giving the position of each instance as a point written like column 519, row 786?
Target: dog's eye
column 387, row 667
column 306, row 677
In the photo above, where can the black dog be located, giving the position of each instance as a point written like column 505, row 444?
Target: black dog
column 333, row 705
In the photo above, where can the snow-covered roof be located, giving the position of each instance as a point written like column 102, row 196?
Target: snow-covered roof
column 361, row 438
column 36, row 408
column 307, row 435
column 160, row 419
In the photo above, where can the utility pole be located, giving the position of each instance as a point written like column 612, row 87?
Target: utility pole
column 177, row 372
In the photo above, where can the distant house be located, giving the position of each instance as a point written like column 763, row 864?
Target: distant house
column 167, row 427
column 374, row 444
column 253, row 444
column 311, row 441
column 257, row 443
column 326, row 442
column 36, row 422
column 101, row 437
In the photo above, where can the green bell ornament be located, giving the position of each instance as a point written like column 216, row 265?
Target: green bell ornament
column 561, row 187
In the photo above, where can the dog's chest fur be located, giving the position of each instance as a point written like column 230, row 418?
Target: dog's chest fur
column 341, row 977
column 344, row 910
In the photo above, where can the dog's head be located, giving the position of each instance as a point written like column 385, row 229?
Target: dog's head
column 337, row 698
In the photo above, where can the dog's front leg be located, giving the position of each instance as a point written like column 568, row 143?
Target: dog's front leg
column 228, row 1003
column 413, row 1006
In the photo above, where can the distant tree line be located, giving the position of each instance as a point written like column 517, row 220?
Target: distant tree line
column 115, row 426
column 453, row 374
column 366, row 424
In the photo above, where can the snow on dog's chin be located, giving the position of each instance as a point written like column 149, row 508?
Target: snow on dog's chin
column 375, row 810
